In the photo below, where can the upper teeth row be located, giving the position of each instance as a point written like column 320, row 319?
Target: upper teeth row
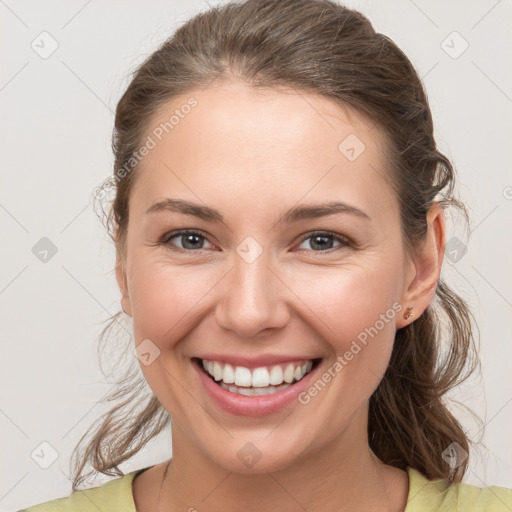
column 257, row 377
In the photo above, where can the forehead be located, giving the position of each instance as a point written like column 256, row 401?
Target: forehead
column 270, row 147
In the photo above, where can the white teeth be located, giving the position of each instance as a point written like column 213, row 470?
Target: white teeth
column 260, row 378
column 217, row 371
column 229, row 374
column 242, row 376
column 276, row 375
column 257, row 381
column 288, row 373
column 254, row 391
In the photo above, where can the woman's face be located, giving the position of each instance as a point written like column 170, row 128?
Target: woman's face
column 259, row 289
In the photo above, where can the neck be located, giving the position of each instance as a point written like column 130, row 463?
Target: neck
column 343, row 475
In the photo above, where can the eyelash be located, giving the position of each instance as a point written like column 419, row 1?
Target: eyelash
column 345, row 242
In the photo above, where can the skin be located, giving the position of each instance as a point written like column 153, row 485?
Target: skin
column 252, row 154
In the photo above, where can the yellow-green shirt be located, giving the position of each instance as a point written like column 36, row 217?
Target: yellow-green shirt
column 424, row 496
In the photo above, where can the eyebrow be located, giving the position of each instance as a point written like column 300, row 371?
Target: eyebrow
column 295, row 214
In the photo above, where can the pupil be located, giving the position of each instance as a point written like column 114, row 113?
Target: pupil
column 189, row 238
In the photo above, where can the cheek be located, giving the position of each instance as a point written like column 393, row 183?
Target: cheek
column 355, row 309
column 166, row 308
column 355, row 314
column 165, row 298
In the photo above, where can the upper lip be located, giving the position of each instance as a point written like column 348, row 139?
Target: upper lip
column 255, row 361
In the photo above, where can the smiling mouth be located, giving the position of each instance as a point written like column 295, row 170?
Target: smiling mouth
column 260, row 381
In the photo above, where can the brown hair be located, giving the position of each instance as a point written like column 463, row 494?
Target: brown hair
column 321, row 47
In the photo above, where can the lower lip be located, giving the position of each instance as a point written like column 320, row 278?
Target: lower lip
column 253, row 406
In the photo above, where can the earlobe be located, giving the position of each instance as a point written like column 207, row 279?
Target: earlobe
column 427, row 263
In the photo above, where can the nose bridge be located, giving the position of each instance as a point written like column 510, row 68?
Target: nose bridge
column 253, row 296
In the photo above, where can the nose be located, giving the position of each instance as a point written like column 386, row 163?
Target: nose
column 253, row 298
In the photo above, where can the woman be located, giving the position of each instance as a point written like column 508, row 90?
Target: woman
column 279, row 226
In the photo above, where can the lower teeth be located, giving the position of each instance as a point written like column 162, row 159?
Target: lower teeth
column 254, row 391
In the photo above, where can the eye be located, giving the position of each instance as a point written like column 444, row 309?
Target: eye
column 190, row 239
column 193, row 240
column 321, row 240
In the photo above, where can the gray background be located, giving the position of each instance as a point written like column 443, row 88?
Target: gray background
column 57, row 117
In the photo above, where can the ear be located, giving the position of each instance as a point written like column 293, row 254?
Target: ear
column 122, row 282
column 425, row 268
column 123, row 287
